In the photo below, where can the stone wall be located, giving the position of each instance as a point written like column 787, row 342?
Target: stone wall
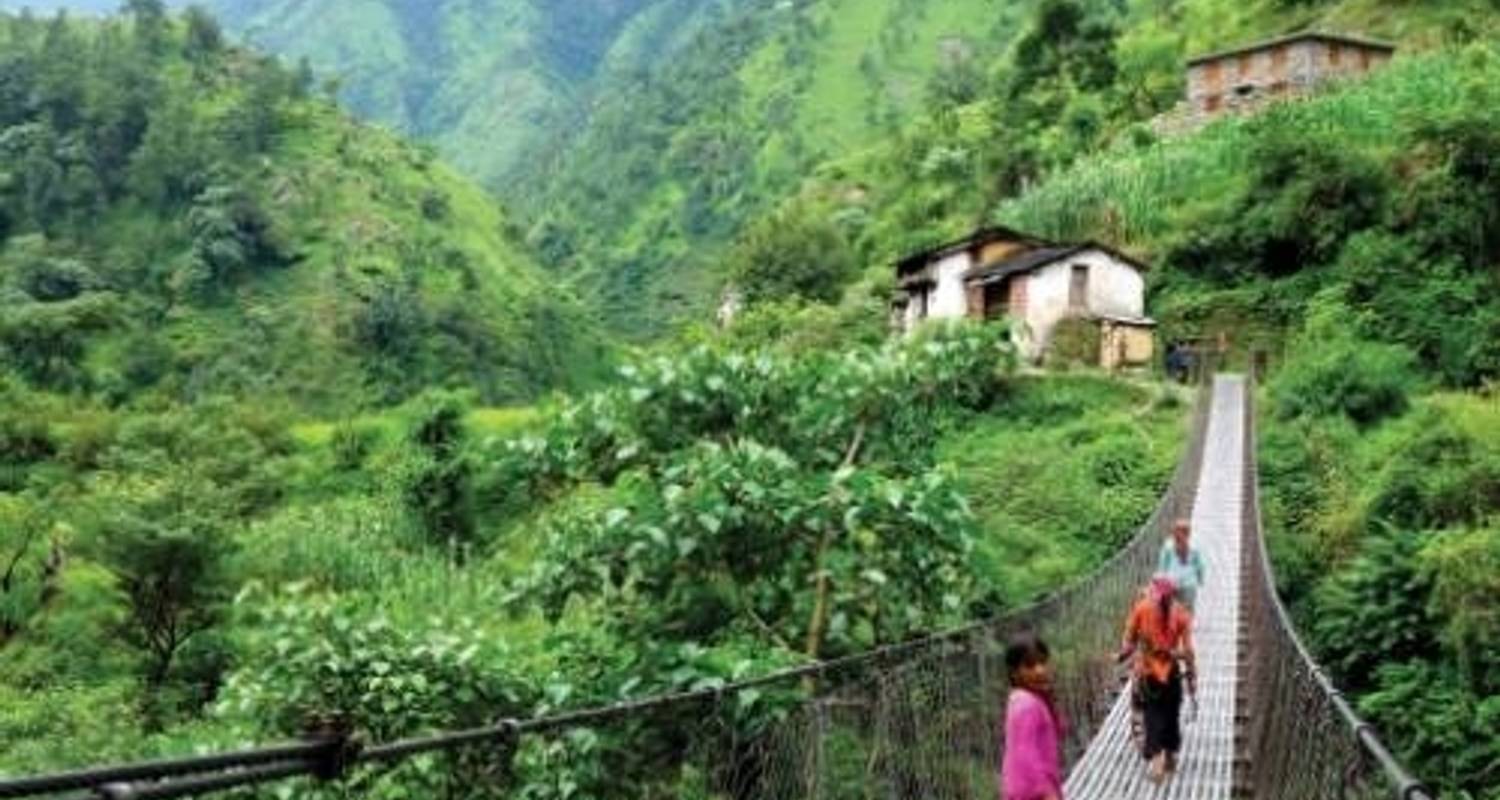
column 1248, row 79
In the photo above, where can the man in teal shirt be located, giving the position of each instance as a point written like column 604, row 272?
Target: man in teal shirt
column 1182, row 562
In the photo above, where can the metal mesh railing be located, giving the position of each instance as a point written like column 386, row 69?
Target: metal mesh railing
column 927, row 724
column 1303, row 740
column 910, row 720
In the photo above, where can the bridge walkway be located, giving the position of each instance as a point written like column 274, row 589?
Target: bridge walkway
column 1112, row 768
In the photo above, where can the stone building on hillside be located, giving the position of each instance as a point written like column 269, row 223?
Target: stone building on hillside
column 997, row 271
column 1244, row 78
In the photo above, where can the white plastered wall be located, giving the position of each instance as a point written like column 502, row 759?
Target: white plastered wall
column 949, row 301
column 1114, row 287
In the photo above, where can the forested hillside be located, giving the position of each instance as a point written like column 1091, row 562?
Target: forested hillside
column 671, row 166
column 892, row 123
column 182, row 218
column 490, row 83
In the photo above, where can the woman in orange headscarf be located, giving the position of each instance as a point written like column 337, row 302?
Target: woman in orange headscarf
column 1159, row 632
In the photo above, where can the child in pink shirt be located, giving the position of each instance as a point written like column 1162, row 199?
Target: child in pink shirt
column 1030, row 768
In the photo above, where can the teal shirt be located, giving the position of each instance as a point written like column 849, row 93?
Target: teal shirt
column 1188, row 575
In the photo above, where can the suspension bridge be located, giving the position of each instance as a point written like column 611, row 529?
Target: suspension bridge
column 922, row 719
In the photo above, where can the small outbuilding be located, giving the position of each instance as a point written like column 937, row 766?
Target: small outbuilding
column 997, row 272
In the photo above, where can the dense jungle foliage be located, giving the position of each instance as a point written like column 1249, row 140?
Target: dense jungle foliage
column 181, row 219
column 434, row 567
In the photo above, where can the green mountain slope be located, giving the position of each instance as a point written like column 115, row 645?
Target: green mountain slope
column 672, row 164
column 489, row 82
column 181, row 217
column 904, row 121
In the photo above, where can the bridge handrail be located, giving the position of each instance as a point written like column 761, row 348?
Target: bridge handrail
column 331, row 753
column 1404, row 785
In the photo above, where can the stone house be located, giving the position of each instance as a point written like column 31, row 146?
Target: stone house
column 997, row 271
column 1244, row 78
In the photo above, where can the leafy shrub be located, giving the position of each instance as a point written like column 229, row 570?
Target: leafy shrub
column 307, row 657
column 1443, row 731
column 1305, row 473
column 1365, row 381
column 76, row 643
column 1464, row 567
column 436, row 476
column 884, row 402
column 47, row 728
column 1375, row 610
column 794, row 327
column 1440, row 307
column 25, row 439
column 793, row 254
column 1075, row 341
column 1430, row 473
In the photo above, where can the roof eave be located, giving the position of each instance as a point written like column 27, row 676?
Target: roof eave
column 1372, row 44
column 944, row 249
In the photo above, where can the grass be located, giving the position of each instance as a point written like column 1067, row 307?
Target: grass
column 1062, row 473
column 1137, row 197
column 490, row 421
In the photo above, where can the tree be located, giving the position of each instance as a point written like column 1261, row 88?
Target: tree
column 46, row 342
column 437, row 482
column 22, row 562
column 168, row 551
column 169, row 167
column 255, row 120
column 793, row 253
column 151, row 26
column 231, row 237
column 789, row 493
column 204, row 37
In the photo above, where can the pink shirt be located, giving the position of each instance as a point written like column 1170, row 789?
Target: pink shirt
column 1029, row 769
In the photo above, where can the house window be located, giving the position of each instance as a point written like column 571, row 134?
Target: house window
column 1244, row 64
column 1278, row 61
column 1211, row 103
column 1335, row 53
column 1078, row 288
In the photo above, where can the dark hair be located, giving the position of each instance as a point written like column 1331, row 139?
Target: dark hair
column 1024, row 650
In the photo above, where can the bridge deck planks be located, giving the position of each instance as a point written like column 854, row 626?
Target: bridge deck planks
column 1112, row 768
